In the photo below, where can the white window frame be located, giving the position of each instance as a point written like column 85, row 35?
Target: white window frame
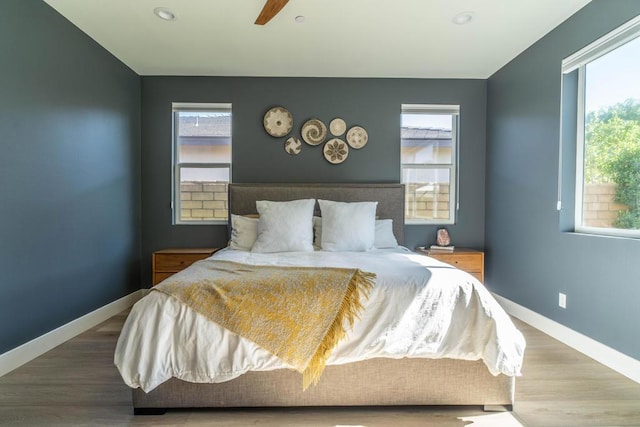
column 579, row 61
column 454, row 112
column 176, row 202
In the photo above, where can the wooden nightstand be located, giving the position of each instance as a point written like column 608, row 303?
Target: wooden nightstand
column 169, row 261
column 469, row 260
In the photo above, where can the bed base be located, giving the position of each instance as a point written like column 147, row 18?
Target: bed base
column 376, row 382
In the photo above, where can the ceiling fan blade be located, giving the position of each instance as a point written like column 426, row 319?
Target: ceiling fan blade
column 270, row 9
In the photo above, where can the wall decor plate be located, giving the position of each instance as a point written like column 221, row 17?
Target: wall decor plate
column 357, row 137
column 278, row 122
column 293, row 145
column 337, row 126
column 314, row 132
column 335, row 151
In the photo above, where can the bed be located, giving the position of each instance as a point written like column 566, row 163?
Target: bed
column 480, row 375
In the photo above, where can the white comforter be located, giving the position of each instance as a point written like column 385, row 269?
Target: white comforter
column 419, row 307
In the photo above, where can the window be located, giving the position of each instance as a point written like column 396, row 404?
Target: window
column 601, row 101
column 202, row 163
column 429, row 144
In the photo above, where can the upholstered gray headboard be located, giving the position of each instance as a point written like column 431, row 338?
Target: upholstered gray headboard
column 390, row 198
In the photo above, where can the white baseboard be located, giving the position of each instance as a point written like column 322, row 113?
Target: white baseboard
column 619, row 362
column 18, row 356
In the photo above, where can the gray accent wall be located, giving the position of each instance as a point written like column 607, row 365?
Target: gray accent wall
column 69, row 173
column 529, row 260
column 258, row 157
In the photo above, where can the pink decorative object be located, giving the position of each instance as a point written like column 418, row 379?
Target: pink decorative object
column 443, row 238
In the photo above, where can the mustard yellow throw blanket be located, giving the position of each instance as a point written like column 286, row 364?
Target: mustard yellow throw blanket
column 296, row 313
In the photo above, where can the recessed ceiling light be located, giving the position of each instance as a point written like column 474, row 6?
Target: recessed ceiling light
column 463, row 18
column 299, row 19
column 164, row 13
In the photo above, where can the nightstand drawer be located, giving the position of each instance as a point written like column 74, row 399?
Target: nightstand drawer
column 466, row 262
column 159, row 277
column 478, row 275
column 170, row 261
column 465, row 259
column 176, row 262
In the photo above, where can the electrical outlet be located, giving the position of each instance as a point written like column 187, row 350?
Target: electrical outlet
column 562, row 300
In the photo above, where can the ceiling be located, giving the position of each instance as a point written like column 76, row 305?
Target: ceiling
column 338, row 38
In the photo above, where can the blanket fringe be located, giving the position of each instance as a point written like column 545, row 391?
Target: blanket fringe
column 359, row 286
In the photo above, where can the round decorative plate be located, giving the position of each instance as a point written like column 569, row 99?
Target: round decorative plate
column 293, row 145
column 278, row 122
column 335, row 151
column 337, row 126
column 357, row 137
column 314, row 132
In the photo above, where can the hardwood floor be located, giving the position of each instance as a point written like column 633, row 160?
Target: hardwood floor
column 562, row 387
column 76, row 384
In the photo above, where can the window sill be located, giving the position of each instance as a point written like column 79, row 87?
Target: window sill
column 216, row 222
column 606, row 232
column 427, row 222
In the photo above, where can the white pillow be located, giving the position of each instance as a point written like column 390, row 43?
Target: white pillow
column 384, row 234
column 244, row 232
column 384, row 237
column 348, row 226
column 285, row 226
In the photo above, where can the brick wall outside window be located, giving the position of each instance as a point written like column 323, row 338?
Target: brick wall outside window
column 599, row 207
column 204, row 201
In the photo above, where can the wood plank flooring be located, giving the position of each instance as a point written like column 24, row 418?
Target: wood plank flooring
column 76, row 384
